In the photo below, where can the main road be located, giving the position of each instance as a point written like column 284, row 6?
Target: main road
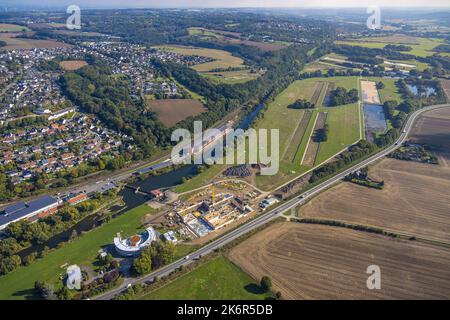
column 272, row 214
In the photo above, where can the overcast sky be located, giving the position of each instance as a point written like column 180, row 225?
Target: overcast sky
column 227, row 3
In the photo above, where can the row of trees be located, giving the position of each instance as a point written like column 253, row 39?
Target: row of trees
column 302, row 104
column 355, row 152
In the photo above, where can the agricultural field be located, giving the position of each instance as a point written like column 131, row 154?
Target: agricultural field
column 446, row 86
column 321, row 262
column 215, row 280
column 414, row 200
column 222, row 60
column 6, row 27
column 15, row 43
column 421, row 47
column 234, row 38
column 82, row 251
column 71, row 65
column 172, row 111
column 343, row 123
column 433, row 129
column 232, row 77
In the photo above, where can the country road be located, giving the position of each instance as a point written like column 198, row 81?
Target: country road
column 272, row 214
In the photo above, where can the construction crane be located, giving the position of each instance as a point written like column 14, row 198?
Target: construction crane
column 213, row 194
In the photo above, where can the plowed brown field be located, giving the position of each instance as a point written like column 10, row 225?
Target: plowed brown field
column 321, row 262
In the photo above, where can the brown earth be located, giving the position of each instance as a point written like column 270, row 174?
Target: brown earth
column 446, row 86
column 321, row 262
column 317, row 91
column 71, row 65
column 13, row 43
column 172, row 111
column 415, row 200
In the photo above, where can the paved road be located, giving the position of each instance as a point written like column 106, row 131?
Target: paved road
column 272, row 214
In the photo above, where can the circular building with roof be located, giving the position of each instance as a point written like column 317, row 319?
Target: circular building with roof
column 133, row 245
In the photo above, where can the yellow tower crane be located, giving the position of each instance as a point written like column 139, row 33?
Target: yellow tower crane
column 213, row 194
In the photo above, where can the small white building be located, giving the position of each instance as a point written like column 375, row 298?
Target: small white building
column 74, row 277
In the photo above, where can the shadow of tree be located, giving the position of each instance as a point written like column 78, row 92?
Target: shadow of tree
column 254, row 288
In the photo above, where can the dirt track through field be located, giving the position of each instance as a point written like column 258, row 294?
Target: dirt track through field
column 313, row 147
column 317, row 91
column 320, row 262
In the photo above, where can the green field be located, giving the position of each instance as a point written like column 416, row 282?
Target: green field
column 344, row 130
column 232, row 77
column 215, row 280
column 6, row 27
column 421, row 47
column 343, row 122
column 82, row 251
column 222, row 60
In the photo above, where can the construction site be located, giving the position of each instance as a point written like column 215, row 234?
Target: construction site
column 216, row 207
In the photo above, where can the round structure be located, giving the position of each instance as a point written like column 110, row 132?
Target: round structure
column 133, row 245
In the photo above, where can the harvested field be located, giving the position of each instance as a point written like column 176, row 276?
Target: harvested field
column 415, row 200
column 172, row 111
column 13, row 43
column 6, row 27
column 294, row 146
column 311, row 152
column 321, row 262
column 71, row 65
column 446, row 86
column 433, row 129
column 263, row 46
column 370, row 92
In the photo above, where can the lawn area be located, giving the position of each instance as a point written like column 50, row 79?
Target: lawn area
column 81, row 251
column 421, row 47
column 215, row 280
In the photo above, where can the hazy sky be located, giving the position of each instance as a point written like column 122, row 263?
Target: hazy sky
column 227, row 3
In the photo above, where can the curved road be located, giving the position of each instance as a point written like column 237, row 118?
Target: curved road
column 272, row 214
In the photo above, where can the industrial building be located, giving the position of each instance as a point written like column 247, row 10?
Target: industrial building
column 40, row 207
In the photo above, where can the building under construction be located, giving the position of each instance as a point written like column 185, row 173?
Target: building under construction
column 213, row 213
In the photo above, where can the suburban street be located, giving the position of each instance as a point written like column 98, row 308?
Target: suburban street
column 272, row 214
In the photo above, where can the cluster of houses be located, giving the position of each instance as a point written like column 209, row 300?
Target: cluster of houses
column 49, row 148
column 134, row 61
column 28, row 86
